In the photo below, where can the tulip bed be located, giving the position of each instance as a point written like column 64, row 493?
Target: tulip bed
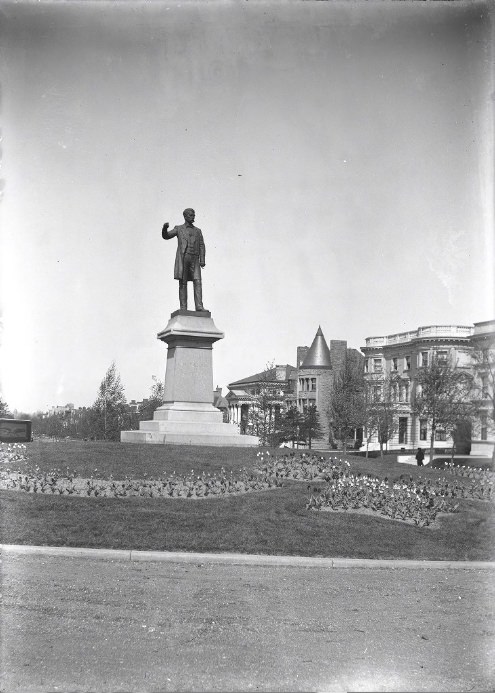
column 300, row 466
column 415, row 500
column 176, row 486
column 12, row 452
column 483, row 475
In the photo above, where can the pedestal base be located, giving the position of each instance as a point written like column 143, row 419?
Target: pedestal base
column 188, row 416
column 188, row 423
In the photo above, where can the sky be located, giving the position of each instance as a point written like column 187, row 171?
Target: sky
column 339, row 156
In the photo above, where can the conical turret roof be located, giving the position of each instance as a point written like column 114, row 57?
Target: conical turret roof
column 318, row 355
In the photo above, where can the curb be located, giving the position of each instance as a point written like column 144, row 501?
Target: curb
column 239, row 558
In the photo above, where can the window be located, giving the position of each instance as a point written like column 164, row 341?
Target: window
column 377, row 393
column 367, row 366
column 404, row 392
column 440, row 434
column 423, row 429
column 395, row 364
column 402, row 430
column 377, row 365
column 442, row 357
column 484, row 386
column 407, row 363
column 423, row 358
column 484, row 427
column 313, row 384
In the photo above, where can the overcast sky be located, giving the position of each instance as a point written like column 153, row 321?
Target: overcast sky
column 339, row 157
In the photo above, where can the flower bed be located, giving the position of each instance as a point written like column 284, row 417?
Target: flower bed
column 418, row 504
column 416, row 500
column 12, row 452
column 300, row 466
column 176, row 486
column 485, row 476
column 192, row 486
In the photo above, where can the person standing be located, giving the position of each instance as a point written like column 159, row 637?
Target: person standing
column 189, row 259
column 420, row 455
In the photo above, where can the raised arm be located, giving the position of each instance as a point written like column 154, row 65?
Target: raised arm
column 166, row 234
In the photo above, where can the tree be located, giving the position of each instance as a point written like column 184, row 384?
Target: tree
column 109, row 413
column 264, row 419
column 347, row 405
column 380, row 410
column 4, row 409
column 443, row 397
column 291, row 423
column 311, row 427
column 155, row 400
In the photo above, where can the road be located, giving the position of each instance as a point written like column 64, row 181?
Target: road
column 94, row 624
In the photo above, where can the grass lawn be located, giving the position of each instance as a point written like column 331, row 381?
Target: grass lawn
column 269, row 522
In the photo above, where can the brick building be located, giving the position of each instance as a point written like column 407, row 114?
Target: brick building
column 311, row 382
column 317, row 368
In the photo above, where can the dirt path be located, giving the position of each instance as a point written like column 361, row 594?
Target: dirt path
column 78, row 624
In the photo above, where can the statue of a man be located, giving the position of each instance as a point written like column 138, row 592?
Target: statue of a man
column 190, row 258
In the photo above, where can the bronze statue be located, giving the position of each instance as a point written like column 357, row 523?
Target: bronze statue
column 190, row 258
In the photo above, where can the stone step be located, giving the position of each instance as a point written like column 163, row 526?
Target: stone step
column 191, row 438
column 193, row 427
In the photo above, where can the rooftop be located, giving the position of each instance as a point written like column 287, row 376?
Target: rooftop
column 318, row 355
column 427, row 332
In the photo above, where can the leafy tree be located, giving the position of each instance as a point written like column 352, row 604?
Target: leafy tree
column 109, row 413
column 155, row 400
column 311, row 426
column 291, row 424
column 443, row 397
column 263, row 420
column 4, row 409
column 81, row 425
column 54, row 426
column 347, row 405
column 380, row 411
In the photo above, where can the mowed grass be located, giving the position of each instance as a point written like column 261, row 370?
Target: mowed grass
column 267, row 522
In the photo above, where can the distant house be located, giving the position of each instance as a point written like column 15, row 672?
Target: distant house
column 220, row 402
column 242, row 393
column 134, row 406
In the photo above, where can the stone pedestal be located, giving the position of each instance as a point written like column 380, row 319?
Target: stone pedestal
column 187, row 416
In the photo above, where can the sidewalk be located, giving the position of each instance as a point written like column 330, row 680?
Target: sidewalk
column 240, row 559
column 199, row 622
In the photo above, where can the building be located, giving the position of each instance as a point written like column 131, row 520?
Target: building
column 317, row 368
column 220, row 402
column 134, row 406
column 61, row 410
column 483, row 358
column 242, row 394
column 402, row 354
column 310, row 383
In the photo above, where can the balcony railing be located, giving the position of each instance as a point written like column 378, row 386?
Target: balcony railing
column 428, row 331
